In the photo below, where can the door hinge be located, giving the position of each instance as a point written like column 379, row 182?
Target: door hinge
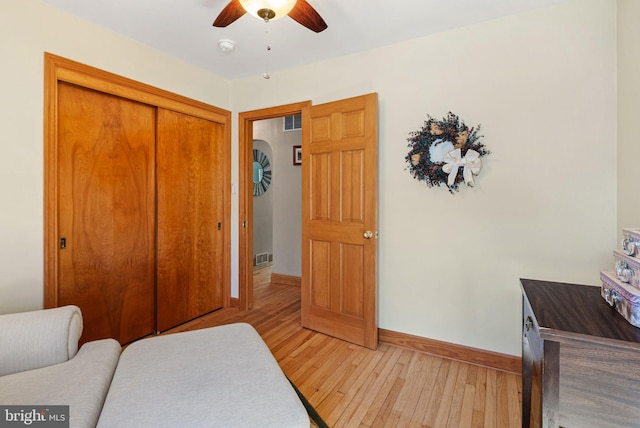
column 63, row 243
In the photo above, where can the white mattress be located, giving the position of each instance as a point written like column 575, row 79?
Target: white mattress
column 217, row 377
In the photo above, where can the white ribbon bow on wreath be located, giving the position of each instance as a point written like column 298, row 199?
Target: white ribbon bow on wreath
column 454, row 160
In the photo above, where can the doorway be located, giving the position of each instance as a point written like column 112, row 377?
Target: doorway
column 263, row 196
column 246, row 201
column 339, row 215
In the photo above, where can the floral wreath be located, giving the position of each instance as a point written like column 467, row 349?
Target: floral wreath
column 466, row 153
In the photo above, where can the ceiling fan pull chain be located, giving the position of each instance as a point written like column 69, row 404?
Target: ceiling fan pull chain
column 266, row 33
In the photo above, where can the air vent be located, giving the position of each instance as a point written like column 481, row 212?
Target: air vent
column 262, row 258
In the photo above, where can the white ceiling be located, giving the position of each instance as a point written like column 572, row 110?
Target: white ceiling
column 182, row 28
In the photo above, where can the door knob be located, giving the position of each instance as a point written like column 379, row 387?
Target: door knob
column 368, row 234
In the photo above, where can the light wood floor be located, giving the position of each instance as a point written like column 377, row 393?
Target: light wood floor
column 352, row 386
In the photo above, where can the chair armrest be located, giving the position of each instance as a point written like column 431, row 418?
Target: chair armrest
column 31, row 340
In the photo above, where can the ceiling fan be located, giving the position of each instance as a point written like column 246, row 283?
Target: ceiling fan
column 300, row 11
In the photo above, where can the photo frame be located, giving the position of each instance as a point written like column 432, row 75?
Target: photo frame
column 297, row 155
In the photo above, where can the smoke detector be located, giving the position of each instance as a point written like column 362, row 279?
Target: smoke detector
column 226, row 45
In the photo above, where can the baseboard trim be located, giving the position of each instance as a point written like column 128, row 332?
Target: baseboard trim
column 278, row 278
column 478, row 357
column 234, row 302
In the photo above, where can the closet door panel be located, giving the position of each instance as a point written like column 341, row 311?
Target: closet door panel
column 106, row 212
column 190, row 213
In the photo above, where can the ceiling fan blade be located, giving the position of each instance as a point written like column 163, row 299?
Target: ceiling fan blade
column 229, row 14
column 306, row 15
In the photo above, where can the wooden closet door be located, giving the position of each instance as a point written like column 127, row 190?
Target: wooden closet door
column 190, row 213
column 106, row 212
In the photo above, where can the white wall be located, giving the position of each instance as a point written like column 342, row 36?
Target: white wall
column 543, row 86
column 263, row 208
column 628, row 113
column 287, row 194
column 28, row 28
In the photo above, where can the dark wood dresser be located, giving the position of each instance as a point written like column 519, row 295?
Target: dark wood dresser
column 580, row 359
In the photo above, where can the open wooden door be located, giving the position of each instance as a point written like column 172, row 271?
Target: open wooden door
column 339, row 225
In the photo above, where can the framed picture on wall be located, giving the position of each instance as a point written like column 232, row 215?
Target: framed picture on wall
column 297, row 155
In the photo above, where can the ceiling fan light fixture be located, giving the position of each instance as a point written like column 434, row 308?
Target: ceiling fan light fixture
column 268, row 9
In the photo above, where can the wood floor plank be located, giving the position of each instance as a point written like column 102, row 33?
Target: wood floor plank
column 480, row 399
column 409, row 397
column 351, row 386
column 386, row 411
column 466, row 412
column 446, row 401
column 513, row 400
column 455, row 409
column 490, row 405
column 502, row 411
column 433, row 406
column 431, row 369
column 329, row 378
column 468, row 398
column 375, row 412
column 381, row 376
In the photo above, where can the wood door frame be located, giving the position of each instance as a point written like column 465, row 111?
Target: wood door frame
column 245, row 193
column 59, row 69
